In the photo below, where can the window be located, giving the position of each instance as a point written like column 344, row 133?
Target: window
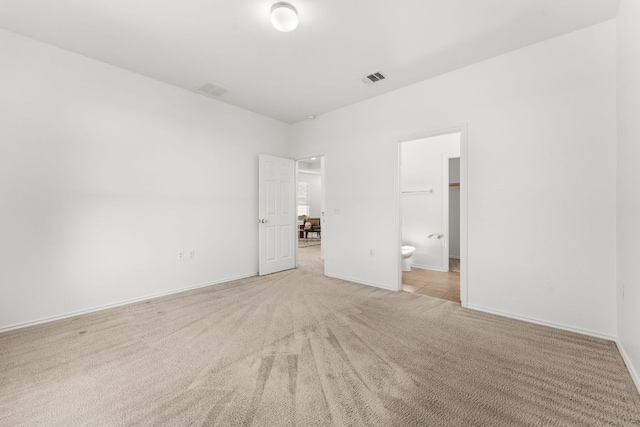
column 303, row 210
column 303, row 199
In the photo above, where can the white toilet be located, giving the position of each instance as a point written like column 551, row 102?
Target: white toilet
column 407, row 252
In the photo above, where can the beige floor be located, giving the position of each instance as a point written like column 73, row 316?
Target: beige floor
column 311, row 241
column 300, row 349
column 433, row 283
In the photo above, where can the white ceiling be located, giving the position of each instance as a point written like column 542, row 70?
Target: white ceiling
column 312, row 70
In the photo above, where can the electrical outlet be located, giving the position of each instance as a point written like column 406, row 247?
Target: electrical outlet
column 181, row 256
column 192, row 254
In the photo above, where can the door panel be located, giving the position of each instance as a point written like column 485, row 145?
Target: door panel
column 286, row 242
column 270, row 243
column 276, row 214
column 285, row 193
column 270, row 188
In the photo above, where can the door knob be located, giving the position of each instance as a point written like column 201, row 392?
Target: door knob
column 438, row 236
column 262, row 221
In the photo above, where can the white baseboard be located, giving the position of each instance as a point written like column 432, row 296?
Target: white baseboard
column 361, row 282
column 544, row 323
column 120, row 303
column 630, row 367
column 429, row 267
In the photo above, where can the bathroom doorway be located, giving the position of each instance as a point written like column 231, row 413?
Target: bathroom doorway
column 310, row 202
column 454, row 215
column 431, row 197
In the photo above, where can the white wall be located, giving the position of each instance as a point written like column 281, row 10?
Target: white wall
column 314, row 192
column 541, row 243
column 454, row 209
column 106, row 175
column 454, row 171
column 628, row 274
column 422, row 168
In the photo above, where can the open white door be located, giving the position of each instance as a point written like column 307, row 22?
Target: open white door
column 277, row 234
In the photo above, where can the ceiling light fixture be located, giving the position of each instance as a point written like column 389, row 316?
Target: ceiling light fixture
column 284, row 17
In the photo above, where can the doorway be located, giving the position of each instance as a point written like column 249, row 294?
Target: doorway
column 310, row 202
column 432, row 186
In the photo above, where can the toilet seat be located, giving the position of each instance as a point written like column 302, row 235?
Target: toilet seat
column 407, row 250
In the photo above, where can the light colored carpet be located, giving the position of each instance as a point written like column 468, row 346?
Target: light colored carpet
column 296, row 348
column 311, row 241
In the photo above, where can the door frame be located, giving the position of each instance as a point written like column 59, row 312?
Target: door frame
column 464, row 269
column 445, row 212
column 323, row 205
column 446, row 189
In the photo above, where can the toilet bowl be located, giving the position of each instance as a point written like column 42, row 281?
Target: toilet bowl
column 407, row 252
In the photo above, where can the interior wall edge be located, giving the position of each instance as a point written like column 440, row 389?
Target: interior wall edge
column 536, row 321
column 628, row 364
column 7, row 328
column 361, row 282
column 429, row 267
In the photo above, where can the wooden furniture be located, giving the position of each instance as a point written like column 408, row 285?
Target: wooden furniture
column 306, row 233
column 315, row 228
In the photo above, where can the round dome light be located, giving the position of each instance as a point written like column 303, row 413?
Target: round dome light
column 284, row 17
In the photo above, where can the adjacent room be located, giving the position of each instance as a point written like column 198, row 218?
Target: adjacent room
column 430, row 205
column 309, row 202
column 319, row 213
column 310, row 208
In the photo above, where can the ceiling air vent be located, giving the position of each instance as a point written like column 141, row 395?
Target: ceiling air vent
column 212, row 90
column 374, row 78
